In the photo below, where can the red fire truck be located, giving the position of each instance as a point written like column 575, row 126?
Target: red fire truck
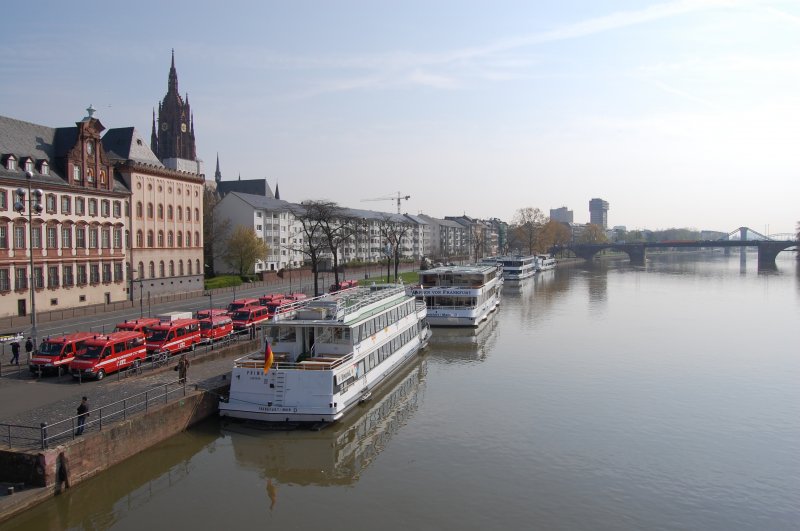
column 170, row 337
column 249, row 317
column 239, row 304
column 136, row 325
column 109, row 353
column 215, row 328
column 56, row 353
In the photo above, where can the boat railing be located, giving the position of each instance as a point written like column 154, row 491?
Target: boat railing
column 308, row 364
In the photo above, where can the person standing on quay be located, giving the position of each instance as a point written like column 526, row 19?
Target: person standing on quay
column 29, row 347
column 15, row 353
column 183, row 366
column 83, row 412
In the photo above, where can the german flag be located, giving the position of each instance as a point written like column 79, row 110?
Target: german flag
column 268, row 357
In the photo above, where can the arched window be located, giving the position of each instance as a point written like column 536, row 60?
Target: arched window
column 180, row 214
column 140, row 271
column 197, row 214
column 138, row 209
column 197, row 265
column 150, row 210
column 161, row 238
column 149, row 238
column 169, row 211
column 161, row 269
column 171, row 268
column 188, row 239
column 197, row 239
column 189, row 266
column 180, row 267
column 127, row 239
column 170, row 239
column 139, row 239
column 180, row 238
column 160, row 211
column 152, row 270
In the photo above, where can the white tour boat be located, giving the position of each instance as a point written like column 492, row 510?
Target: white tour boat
column 545, row 262
column 515, row 267
column 459, row 295
column 328, row 356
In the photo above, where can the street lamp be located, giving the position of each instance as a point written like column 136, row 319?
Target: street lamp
column 141, row 292
column 210, row 296
column 34, row 205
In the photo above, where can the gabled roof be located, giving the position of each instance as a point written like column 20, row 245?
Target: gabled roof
column 125, row 143
column 264, row 203
column 25, row 139
column 258, row 187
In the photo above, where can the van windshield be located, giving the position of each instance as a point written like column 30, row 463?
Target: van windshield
column 94, row 352
column 50, row 349
column 244, row 315
column 158, row 335
column 205, row 325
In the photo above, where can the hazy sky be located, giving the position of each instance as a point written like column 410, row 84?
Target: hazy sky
column 679, row 114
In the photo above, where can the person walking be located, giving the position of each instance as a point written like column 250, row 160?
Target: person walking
column 83, row 412
column 183, row 366
column 29, row 347
column 15, row 352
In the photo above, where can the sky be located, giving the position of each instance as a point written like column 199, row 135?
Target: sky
column 679, row 114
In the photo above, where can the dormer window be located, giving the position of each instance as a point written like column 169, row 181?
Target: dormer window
column 11, row 163
column 90, row 175
column 76, row 173
column 44, row 168
column 28, row 164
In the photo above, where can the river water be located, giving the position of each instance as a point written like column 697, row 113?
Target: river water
column 599, row 396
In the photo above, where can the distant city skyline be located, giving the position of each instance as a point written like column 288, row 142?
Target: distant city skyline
column 679, row 114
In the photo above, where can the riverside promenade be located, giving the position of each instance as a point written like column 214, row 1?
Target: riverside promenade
column 30, row 401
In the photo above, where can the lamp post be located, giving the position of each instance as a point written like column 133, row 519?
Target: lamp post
column 141, row 293
column 34, row 205
column 210, row 296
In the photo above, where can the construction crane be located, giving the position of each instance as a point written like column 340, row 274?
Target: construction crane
column 397, row 198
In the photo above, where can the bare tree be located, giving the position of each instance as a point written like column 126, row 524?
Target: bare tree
column 312, row 216
column 393, row 231
column 525, row 227
column 215, row 230
column 478, row 240
column 337, row 229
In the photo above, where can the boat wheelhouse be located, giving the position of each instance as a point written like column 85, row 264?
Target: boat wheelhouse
column 545, row 262
column 459, row 295
column 328, row 356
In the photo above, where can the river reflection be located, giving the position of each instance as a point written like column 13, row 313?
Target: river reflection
column 337, row 454
column 463, row 344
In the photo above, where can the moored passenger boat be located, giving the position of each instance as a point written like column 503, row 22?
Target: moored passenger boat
column 459, row 295
column 328, row 356
column 515, row 267
column 545, row 262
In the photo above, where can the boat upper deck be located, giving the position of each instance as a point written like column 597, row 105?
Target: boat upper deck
column 473, row 276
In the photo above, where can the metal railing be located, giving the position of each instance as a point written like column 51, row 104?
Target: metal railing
column 42, row 436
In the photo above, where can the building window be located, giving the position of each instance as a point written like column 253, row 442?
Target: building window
column 3, row 200
column 117, row 238
column 180, row 267
column 127, row 209
column 68, row 280
column 94, row 273
column 66, row 237
column 106, row 273
column 188, row 239
column 150, row 238
column 52, row 276
column 105, row 208
column 11, row 163
column 180, row 239
column 80, row 237
column 160, row 211
column 170, row 239
column 149, row 210
column 189, row 266
column 258, row 214
column 102, row 176
column 19, row 236
column 105, row 238
column 5, row 281
column 3, row 236
column 197, row 265
column 197, row 214
column 161, row 269
column 139, row 239
column 44, row 168
column 139, row 209
column 161, row 238
column 92, row 238
column 90, row 175
column 52, row 238
column 171, row 268
column 79, row 206
column 92, row 207
column 197, row 239
column 36, row 238
column 66, row 204
column 169, row 212
column 29, row 165
column 180, row 214
column 38, row 278
column 117, row 209
column 20, row 278
column 258, row 227
column 118, row 272
column 152, row 270
column 81, row 277
column 50, row 203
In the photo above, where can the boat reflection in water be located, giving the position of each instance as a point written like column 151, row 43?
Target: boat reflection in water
column 463, row 345
column 337, row 454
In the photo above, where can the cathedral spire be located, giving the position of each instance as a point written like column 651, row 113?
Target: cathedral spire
column 218, row 174
column 173, row 76
column 277, row 192
column 154, row 135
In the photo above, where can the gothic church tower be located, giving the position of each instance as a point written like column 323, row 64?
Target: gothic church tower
column 172, row 136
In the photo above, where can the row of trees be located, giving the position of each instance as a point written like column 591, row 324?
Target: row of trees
column 531, row 232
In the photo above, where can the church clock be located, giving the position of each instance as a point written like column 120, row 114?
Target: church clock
column 164, row 126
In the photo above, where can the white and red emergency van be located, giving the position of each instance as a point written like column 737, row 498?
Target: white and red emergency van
column 171, row 337
column 105, row 354
column 56, row 352
column 249, row 317
column 266, row 299
column 239, row 304
column 215, row 328
column 136, row 325
column 210, row 312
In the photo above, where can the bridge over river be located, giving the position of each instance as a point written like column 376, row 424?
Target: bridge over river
column 768, row 248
